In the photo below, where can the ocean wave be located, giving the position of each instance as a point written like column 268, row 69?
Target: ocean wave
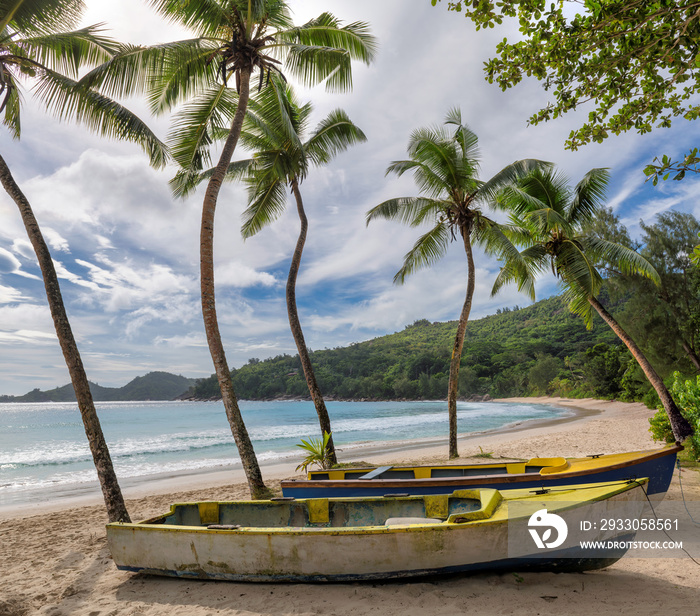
column 387, row 427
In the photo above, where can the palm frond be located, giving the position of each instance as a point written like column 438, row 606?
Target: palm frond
column 190, row 134
column 579, row 304
column 11, row 104
column 100, row 114
column 40, row 16
column 68, row 52
column 589, row 195
column 517, row 272
column 206, row 17
column 429, row 248
column 546, row 221
column 517, row 232
column 508, row 176
column 628, row 261
column 128, row 71
column 187, row 180
column 412, row 211
column 576, row 269
column 426, row 178
column 313, row 65
column 268, row 202
column 334, row 134
column 517, row 200
column 184, row 72
column 327, row 31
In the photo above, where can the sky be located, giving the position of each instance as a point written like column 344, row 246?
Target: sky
column 127, row 252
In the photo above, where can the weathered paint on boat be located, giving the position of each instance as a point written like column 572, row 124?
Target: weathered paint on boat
column 319, row 540
column 657, row 465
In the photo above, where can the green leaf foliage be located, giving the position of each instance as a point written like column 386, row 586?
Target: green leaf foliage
column 316, row 452
column 633, row 64
column 687, row 393
column 501, row 356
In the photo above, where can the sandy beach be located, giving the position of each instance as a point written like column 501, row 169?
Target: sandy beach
column 54, row 558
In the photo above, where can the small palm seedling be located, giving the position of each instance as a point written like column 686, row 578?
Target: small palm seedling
column 316, row 452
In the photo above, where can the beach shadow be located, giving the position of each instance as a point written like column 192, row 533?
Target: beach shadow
column 610, row 591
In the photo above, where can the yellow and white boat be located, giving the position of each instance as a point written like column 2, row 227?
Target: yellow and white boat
column 344, row 539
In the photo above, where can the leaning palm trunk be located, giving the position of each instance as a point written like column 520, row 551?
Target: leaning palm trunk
column 680, row 426
column 692, row 355
column 116, row 509
column 211, row 324
column 295, row 325
column 453, row 383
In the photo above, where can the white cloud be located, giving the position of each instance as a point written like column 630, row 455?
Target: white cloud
column 236, row 274
column 195, row 339
column 8, row 295
column 26, row 323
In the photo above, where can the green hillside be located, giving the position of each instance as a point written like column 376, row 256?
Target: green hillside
column 152, row 386
column 540, row 349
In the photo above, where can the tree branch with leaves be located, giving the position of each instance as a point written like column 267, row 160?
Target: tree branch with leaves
column 636, row 63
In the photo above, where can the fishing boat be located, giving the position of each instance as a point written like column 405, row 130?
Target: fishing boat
column 657, row 465
column 347, row 539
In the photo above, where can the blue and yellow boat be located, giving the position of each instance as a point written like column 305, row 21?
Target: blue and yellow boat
column 657, row 465
column 348, row 539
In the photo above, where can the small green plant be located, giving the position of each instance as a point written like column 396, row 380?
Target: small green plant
column 317, row 452
column 484, row 454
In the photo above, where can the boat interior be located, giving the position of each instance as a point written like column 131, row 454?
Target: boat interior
column 460, row 506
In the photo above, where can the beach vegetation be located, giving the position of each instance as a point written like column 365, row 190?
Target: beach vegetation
column 43, row 49
column 208, row 79
column 555, row 220
column 317, row 452
column 687, row 393
column 444, row 162
column 634, row 62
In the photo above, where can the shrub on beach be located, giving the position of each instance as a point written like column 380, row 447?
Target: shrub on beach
column 686, row 393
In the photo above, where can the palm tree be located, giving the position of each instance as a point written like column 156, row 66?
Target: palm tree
column 279, row 163
column 37, row 48
column 444, row 161
column 235, row 39
column 554, row 220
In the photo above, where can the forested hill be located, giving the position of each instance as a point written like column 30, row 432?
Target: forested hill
column 152, row 386
column 539, row 349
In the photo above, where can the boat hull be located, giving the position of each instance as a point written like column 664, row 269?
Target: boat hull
column 482, row 539
column 657, row 465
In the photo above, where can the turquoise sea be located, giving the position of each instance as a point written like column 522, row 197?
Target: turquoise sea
column 44, row 452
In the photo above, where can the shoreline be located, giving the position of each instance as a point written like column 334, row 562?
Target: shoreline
column 580, row 412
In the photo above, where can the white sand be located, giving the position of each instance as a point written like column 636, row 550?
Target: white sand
column 55, row 561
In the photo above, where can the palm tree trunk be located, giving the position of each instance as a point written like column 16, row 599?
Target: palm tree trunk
column 211, row 323
column 680, row 426
column 453, row 383
column 315, row 391
column 114, row 501
column 692, row 355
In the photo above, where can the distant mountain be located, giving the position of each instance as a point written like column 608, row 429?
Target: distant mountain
column 537, row 350
column 152, row 386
